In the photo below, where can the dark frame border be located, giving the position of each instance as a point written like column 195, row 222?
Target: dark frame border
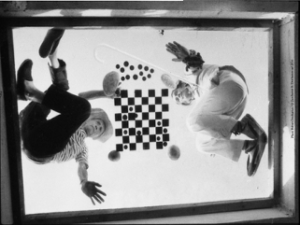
column 7, row 62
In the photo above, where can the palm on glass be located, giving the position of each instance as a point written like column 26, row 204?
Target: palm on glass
column 189, row 57
column 90, row 189
column 178, row 50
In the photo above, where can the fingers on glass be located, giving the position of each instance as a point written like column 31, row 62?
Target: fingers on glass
column 101, row 192
column 97, row 198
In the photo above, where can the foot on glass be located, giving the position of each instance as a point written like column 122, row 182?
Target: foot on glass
column 252, row 129
column 50, row 42
column 255, row 149
column 24, row 74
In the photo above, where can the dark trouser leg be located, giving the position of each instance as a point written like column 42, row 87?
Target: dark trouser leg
column 45, row 138
column 59, row 76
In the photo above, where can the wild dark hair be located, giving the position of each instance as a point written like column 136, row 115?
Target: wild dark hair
column 179, row 87
column 194, row 60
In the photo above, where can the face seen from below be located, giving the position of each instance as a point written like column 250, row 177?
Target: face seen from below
column 94, row 128
column 184, row 96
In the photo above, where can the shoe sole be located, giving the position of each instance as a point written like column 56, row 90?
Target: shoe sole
column 21, row 78
column 260, row 132
column 50, row 42
column 257, row 158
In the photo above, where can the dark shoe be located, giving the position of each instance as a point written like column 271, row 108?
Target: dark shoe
column 59, row 76
column 252, row 129
column 258, row 149
column 50, row 42
column 24, row 73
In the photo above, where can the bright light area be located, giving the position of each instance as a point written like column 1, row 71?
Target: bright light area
column 146, row 177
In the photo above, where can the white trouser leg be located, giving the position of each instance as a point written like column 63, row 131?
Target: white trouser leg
column 213, row 118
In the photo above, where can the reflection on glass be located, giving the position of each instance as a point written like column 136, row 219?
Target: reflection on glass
column 154, row 117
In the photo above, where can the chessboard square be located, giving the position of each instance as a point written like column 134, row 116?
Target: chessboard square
column 132, row 116
column 151, row 93
column 164, row 92
column 138, row 116
column 117, row 101
column 124, row 109
column 159, row 145
column 124, row 116
column 132, row 146
column 158, row 123
column 145, row 116
column 138, row 108
column 152, row 116
column 125, row 132
column 165, row 122
column 124, row 93
column 119, row 147
column 146, row 138
column 124, row 101
column 165, row 107
column 131, row 123
column 125, row 139
column 138, row 93
column 158, row 138
column 139, row 139
column 145, row 123
column 118, row 132
column 151, row 100
column 125, row 124
column 158, row 130
column 132, row 139
column 144, row 108
column 152, row 123
column 151, row 108
column 118, row 117
column 158, row 115
column 130, row 101
column 152, row 130
column 138, row 101
column 152, row 138
column 158, row 108
column 146, row 146
column 166, row 137
column 144, row 100
column 158, row 100
column 138, row 123
column 131, row 131
column 139, row 132
column 145, row 130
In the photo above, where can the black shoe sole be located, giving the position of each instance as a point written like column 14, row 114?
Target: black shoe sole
column 50, row 42
column 24, row 73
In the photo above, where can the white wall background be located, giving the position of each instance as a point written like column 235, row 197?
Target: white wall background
column 147, row 178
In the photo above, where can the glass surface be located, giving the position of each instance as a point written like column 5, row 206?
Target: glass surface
column 145, row 175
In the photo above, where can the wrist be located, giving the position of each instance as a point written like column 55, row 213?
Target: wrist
column 83, row 182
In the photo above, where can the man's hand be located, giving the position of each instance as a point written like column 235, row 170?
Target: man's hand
column 190, row 57
column 178, row 50
column 117, row 93
column 90, row 189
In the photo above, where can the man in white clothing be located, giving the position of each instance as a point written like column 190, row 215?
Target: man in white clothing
column 223, row 96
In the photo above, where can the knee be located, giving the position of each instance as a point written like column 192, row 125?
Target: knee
column 204, row 144
column 195, row 122
column 84, row 108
